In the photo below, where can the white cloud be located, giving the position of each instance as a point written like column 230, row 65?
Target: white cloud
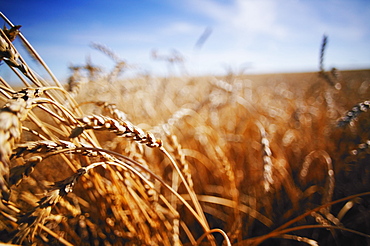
column 179, row 28
column 258, row 17
column 243, row 16
column 280, row 34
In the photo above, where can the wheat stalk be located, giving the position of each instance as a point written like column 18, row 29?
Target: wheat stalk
column 352, row 114
column 267, row 163
column 11, row 116
column 121, row 128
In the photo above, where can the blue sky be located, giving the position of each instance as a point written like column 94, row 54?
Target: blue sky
column 256, row 35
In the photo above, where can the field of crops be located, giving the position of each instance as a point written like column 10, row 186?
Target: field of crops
column 274, row 159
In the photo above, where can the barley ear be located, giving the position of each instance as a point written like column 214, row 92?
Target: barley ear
column 352, row 114
column 11, row 117
column 10, row 132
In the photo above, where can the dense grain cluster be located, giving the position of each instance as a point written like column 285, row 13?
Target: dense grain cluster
column 237, row 160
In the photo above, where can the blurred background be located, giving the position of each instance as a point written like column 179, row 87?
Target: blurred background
column 191, row 37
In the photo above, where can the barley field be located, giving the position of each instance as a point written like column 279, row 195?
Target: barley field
column 274, row 159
